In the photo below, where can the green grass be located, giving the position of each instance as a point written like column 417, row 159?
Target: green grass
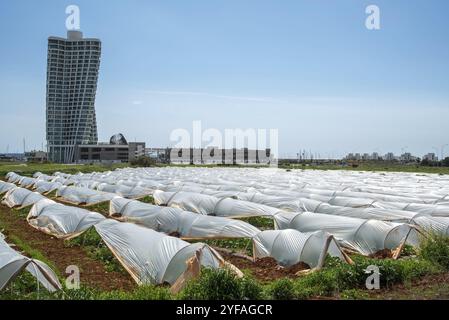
column 336, row 280
column 95, row 248
column 146, row 292
column 263, row 223
column 337, row 277
column 102, row 207
column 23, row 212
column 147, row 199
column 25, row 287
column 240, row 245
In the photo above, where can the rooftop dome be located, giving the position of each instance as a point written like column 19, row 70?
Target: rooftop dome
column 118, row 139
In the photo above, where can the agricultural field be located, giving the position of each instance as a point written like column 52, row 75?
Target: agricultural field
column 235, row 233
column 378, row 166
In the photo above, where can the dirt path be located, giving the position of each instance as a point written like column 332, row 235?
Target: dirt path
column 93, row 273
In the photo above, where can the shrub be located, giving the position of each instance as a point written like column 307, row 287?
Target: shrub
column 338, row 277
column 143, row 161
column 320, row 283
column 282, row 289
column 408, row 251
column 220, row 284
column 436, row 250
column 250, row 288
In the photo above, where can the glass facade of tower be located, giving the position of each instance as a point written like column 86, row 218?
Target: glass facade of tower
column 72, row 74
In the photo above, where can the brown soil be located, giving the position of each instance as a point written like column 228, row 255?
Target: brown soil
column 431, row 287
column 382, row 254
column 93, row 273
column 265, row 269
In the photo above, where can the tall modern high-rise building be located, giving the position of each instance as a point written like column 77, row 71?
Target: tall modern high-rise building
column 72, row 74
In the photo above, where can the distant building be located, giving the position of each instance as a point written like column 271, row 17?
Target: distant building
column 7, row 157
column 72, row 73
column 407, row 157
column 389, row 156
column 430, row 157
column 158, row 154
column 219, row 156
column 117, row 150
column 35, row 156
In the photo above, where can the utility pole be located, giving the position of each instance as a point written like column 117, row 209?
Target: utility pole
column 442, row 150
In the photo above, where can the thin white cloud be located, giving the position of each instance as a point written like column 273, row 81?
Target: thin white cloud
column 137, row 102
column 219, row 96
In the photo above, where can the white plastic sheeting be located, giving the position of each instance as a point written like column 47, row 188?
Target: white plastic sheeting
column 13, row 177
column 27, row 182
column 288, row 247
column 83, row 195
column 396, row 197
column 6, row 186
column 45, row 187
column 152, row 257
column 295, row 204
column 125, row 191
column 42, row 177
column 364, row 236
column 438, row 225
column 173, row 220
column 407, row 214
column 60, row 220
column 20, row 197
column 436, row 210
column 205, row 204
column 13, row 263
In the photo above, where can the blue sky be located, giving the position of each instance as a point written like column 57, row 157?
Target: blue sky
column 307, row 68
